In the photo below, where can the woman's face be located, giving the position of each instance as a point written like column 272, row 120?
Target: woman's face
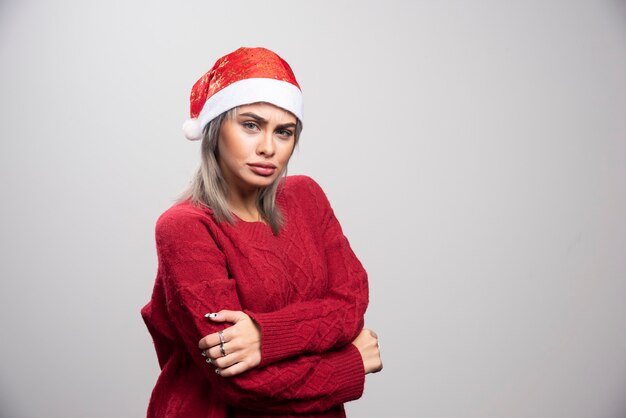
column 255, row 145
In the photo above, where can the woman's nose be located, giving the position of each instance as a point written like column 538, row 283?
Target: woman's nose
column 266, row 145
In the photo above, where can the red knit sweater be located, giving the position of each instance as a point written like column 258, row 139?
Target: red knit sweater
column 304, row 287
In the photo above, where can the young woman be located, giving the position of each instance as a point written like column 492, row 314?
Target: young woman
column 258, row 304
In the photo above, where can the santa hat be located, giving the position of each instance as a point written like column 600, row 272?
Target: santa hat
column 247, row 75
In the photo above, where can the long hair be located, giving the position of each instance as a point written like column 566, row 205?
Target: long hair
column 208, row 187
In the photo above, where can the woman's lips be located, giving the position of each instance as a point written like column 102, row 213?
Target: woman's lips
column 262, row 169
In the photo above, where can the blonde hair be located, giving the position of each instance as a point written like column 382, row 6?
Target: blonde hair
column 208, row 187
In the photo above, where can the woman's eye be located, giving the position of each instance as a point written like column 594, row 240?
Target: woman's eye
column 250, row 125
column 285, row 132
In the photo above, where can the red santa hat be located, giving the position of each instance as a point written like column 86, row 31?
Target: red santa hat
column 247, row 75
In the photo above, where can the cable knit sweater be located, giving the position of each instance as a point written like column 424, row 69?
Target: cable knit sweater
column 304, row 287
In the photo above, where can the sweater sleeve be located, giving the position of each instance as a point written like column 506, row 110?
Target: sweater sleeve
column 320, row 325
column 195, row 279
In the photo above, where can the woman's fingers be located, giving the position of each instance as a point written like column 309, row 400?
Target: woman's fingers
column 232, row 352
column 228, row 333
column 234, row 369
column 234, row 349
column 209, row 341
column 225, row 361
column 225, row 316
column 214, row 339
column 232, row 363
column 216, row 351
column 367, row 344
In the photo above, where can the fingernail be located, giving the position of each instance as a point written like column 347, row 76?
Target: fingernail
column 210, row 315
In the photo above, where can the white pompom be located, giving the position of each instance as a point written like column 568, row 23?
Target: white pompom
column 192, row 129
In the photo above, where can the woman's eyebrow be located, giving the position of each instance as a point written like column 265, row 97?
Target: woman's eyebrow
column 254, row 116
column 262, row 120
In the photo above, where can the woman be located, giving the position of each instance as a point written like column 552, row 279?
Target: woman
column 258, row 304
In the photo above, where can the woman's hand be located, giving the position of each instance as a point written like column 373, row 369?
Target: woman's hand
column 241, row 347
column 367, row 343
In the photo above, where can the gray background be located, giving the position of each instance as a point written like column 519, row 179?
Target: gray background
column 475, row 153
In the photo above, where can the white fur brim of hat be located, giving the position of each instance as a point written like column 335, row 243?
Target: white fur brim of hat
column 251, row 90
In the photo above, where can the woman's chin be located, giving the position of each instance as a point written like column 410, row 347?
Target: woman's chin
column 259, row 182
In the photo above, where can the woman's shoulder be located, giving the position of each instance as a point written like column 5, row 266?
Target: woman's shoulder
column 183, row 215
column 304, row 191
column 301, row 184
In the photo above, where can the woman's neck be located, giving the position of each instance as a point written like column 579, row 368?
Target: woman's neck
column 244, row 206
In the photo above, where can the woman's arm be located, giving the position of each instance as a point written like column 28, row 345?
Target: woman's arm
column 236, row 349
column 193, row 273
column 323, row 324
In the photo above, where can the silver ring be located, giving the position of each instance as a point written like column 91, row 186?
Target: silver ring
column 222, row 342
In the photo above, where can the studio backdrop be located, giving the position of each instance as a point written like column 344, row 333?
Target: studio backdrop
column 474, row 152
